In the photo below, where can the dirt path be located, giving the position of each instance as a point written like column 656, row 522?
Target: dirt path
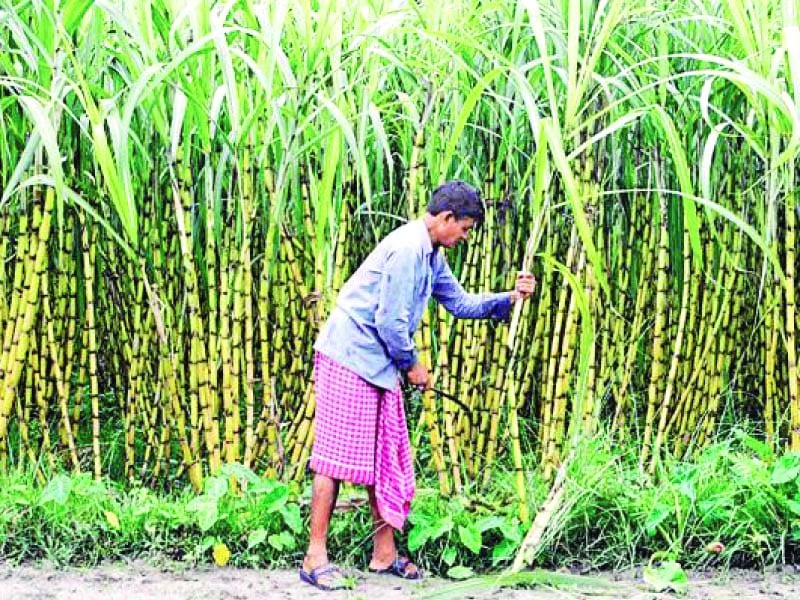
column 142, row 582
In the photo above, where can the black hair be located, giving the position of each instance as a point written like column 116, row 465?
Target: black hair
column 458, row 197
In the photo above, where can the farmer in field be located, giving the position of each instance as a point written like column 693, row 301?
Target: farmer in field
column 363, row 351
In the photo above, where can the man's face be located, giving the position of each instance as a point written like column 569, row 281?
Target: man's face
column 455, row 230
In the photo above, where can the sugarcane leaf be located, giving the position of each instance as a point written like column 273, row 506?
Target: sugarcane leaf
column 536, row 23
column 576, row 203
column 681, row 165
column 72, row 13
column 464, row 114
column 46, row 129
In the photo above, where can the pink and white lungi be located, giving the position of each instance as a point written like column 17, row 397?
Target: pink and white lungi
column 360, row 435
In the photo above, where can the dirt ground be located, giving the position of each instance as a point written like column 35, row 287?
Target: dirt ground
column 143, row 582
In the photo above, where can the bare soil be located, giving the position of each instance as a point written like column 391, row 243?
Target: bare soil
column 144, row 582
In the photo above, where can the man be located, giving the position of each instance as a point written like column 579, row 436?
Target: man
column 361, row 354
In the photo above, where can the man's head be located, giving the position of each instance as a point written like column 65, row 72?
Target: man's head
column 454, row 209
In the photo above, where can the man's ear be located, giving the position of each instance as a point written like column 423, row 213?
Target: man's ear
column 448, row 215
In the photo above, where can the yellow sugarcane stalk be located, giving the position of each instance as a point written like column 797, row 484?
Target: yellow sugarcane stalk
column 58, row 377
column 677, row 349
column 91, row 335
column 790, row 321
column 199, row 371
column 659, row 326
column 549, row 398
column 167, row 367
column 13, row 364
column 564, row 370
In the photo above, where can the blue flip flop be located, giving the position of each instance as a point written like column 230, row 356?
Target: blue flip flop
column 398, row 569
column 329, row 570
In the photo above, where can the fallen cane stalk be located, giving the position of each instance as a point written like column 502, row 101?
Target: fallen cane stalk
column 532, row 543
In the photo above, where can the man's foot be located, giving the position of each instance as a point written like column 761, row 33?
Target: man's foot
column 401, row 567
column 326, row 577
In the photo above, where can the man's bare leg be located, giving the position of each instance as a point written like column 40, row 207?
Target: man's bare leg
column 324, row 491
column 384, row 550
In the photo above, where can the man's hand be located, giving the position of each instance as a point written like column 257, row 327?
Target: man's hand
column 418, row 376
column 524, row 286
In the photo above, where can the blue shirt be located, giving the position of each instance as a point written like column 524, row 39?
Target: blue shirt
column 378, row 310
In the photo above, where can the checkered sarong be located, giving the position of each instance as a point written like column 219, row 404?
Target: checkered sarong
column 360, row 435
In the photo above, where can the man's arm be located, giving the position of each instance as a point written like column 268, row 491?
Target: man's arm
column 448, row 291
column 395, row 302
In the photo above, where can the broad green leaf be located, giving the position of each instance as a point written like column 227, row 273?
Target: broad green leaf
column 687, row 489
column 786, row 469
column 206, row 511
column 655, row 518
column 794, row 507
column 288, row 540
column 504, row 550
column 216, row 487
column 459, row 572
column 275, row 499
column 418, row 535
column 761, row 449
column 491, row 522
column 256, row 537
column 239, row 471
column 471, row 537
column 276, row 541
column 669, row 575
column 512, row 530
column 57, row 490
column 437, row 528
column 292, row 518
column 449, row 556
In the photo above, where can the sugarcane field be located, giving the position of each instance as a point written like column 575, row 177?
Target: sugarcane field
column 399, row 299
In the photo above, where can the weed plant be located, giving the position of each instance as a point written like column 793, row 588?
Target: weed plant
column 735, row 504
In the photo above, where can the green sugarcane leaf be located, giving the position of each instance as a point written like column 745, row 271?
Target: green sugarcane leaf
column 72, row 13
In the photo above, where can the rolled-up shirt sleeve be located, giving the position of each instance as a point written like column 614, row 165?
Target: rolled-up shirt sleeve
column 395, row 303
column 448, row 291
